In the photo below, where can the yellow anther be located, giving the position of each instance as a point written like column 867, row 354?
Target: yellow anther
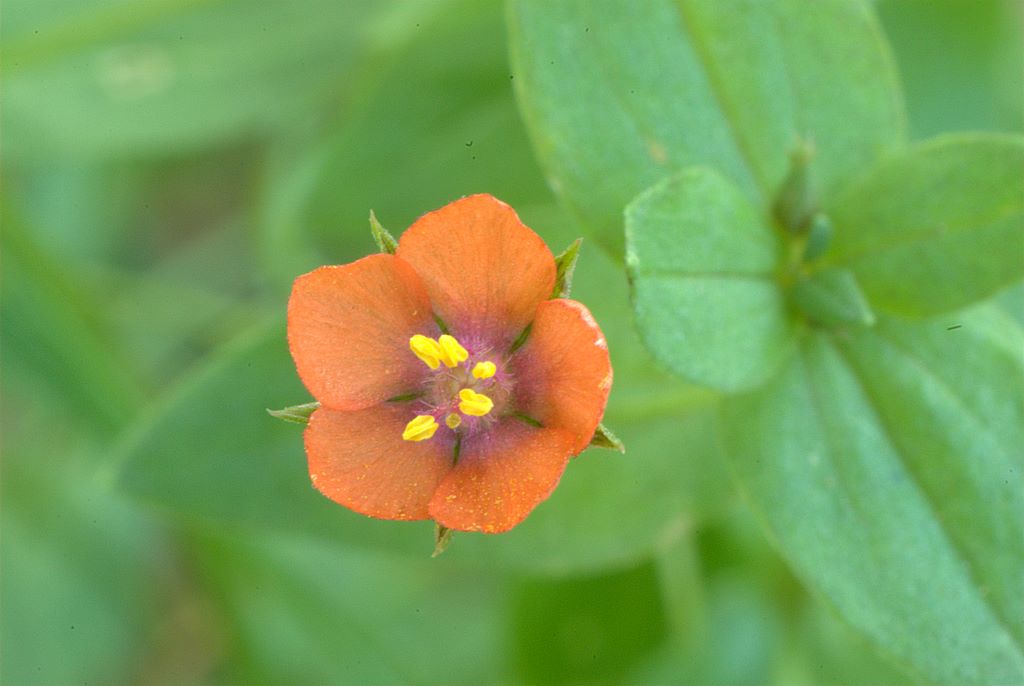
column 420, row 429
column 484, row 370
column 452, row 351
column 473, row 403
column 453, row 421
column 427, row 349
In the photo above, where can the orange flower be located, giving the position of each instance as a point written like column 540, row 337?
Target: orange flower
column 428, row 407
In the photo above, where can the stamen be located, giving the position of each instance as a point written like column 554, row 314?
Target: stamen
column 473, row 403
column 453, row 421
column 420, row 429
column 484, row 370
column 427, row 349
column 452, row 351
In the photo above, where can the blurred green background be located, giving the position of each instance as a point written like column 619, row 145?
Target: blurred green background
column 169, row 166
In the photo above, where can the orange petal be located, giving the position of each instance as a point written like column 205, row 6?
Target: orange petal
column 501, row 475
column 563, row 372
column 485, row 270
column 358, row 459
column 349, row 330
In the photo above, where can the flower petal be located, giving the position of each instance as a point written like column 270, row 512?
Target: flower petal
column 485, row 270
column 500, row 476
column 358, row 459
column 563, row 372
column 349, row 328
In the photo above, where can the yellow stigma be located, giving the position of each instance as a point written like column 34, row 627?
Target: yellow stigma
column 420, row 429
column 427, row 349
column 473, row 403
column 484, row 370
column 452, row 351
column 453, row 421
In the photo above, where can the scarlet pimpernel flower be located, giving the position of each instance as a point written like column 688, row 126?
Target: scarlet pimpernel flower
column 452, row 384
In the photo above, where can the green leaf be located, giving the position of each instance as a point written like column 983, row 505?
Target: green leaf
column 833, row 297
column 959, row 63
column 702, row 266
column 887, row 464
column 937, row 228
column 619, row 94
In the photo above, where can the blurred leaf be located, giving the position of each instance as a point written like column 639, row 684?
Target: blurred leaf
column 619, row 94
column 899, row 446
column 586, row 630
column 935, row 229
column 52, row 328
column 79, row 579
column 439, row 124
column 741, row 638
column 130, row 77
column 960, row 63
column 702, row 264
column 304, row 612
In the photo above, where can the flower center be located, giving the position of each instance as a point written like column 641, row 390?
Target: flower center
column 463, row 391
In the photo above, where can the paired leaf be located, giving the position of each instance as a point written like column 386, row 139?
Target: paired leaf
column 702, row 263
column 937, row 228
column 619, row 94
column 887, row 464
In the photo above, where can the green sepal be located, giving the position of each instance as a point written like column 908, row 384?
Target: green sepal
column 296, row 414
column 796, row 203
column 604, row 438
column 833, row 297
column 565, row 265
column 442, row 537
column 381, row 236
